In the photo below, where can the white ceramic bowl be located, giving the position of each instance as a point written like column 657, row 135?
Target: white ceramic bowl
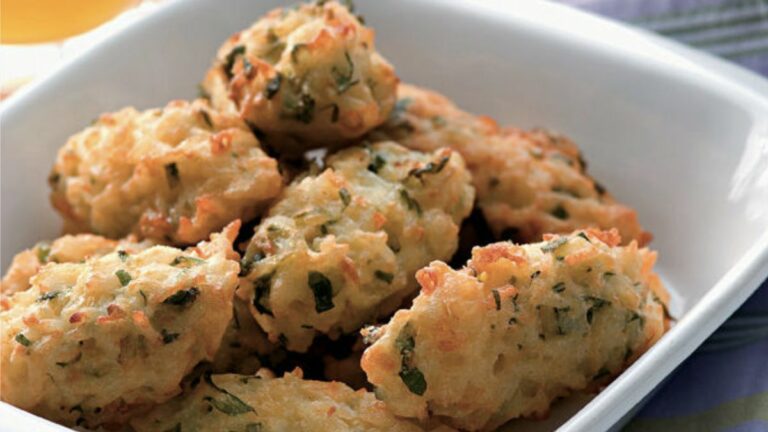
column 679, row 135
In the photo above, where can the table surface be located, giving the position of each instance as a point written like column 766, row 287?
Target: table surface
column 723, row 386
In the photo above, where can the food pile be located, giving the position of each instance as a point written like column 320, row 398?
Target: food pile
column 312, row 245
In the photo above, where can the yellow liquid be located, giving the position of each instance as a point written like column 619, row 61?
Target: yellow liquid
column 32, row 21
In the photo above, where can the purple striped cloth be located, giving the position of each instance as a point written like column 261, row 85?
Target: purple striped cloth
column 723, row 386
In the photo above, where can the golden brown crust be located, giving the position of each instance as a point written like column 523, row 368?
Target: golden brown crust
column 173, row 175
column 340, row 248
column 93, row 342
column 305, row 77
column 528, row 182
column 517, row 328
column 69, row 248
column 272, row 404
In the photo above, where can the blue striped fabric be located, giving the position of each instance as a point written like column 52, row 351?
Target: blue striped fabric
column 723, row 386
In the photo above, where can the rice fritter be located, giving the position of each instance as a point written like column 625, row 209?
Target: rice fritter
column 93, row 343
column 341, row 248
column 304, row 77
column 173, row 175
column 517, row 328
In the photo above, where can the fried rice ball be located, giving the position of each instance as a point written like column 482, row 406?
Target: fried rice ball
column 305, row 77
column 173, row 175
column 261, row 402
column 340, row 248
column 517, row 328
column 69, row 248
column 528, row 182
column 92, row 343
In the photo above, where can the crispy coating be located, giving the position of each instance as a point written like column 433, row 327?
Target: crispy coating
column 528, row 183
column 262, row 403
column 173, row 175
column 91, row 343
column 69, row 248
column 341, row 248
column 517, row 328
column 305, row 77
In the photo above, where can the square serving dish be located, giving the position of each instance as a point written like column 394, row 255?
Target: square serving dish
column 680, row 136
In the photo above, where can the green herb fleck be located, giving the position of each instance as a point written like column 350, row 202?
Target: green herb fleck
column 123, row 255
column 552, row 245
column 172, row 175
column 377, row 162
column 43, row 252
column 346, row 198
column 50, row 295
column 261, row 288
column 186, row 261
column 535, row 274
column 247, row 262
column 410, row 202
column 123, row 277
column 584, row 236
column 229, row 61
column 597, row 303
column 559, row 316
column 20, row 338
column 414, row 380
column 439, row 121
column 273, row 86
column 384, row 276
column 334, row 113
column 230, row 405
column 144, row 296
column 429, row 168
column 206, row 118
column 323, row 291
column 496, row 298
column 344, row 80
column 559, row 287
column 183, row 297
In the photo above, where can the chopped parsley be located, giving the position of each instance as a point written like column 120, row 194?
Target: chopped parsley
column 602, row 373
column 50, row 295
column 496, row 298
column 559, row 287
column 261, row 288
column 377, row 162
column 246, row 264
column 596, row 303
column 186, row 261
column 123, row 276
column 344, row 80
column 560, row 315
column 229, row 61
column 346, row 198
column 552, row 245
column 429, row 168
column 172, row 175
column 410, row 202
column 273, row 86
column 206, row 118
column 183, row 297
column 322, row 289
column 43, row 252
column 123, row 255
column 409, row 374
column 231, row 404
column 384, row 276
column 20, row 338
column 535, row 274
column 301, row 110
column 584, row 236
